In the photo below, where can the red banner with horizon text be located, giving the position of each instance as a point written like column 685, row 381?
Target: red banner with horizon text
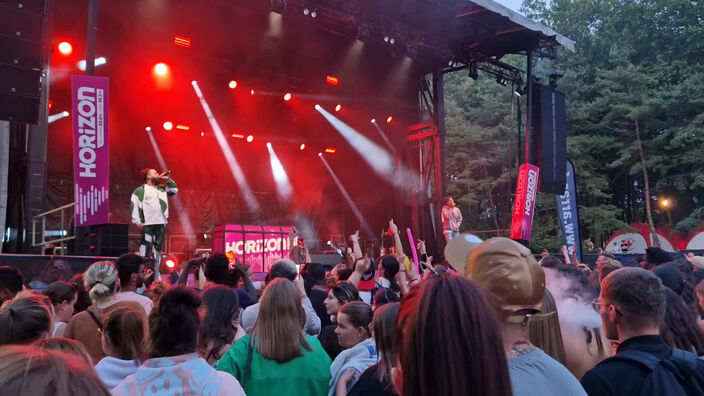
column 524, row 202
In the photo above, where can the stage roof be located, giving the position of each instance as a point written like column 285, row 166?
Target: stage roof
column 434, row 30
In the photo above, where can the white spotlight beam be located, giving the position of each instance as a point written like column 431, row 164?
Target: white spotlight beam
column 180, row 209
column 283, row 185
column 383, row 136
column 56, row 117
column 379, row 159
column 346, row 195
column 232, row 163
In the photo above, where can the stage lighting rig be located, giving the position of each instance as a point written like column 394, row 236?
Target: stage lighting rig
column 278, row 6
column 364, row 33
column 309, row 11
column 554, row 76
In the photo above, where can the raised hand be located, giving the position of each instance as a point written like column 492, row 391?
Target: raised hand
column 393, row 227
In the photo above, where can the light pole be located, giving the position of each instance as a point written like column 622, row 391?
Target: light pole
column 666, row 204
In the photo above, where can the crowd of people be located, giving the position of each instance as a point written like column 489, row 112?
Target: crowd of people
column 492, row 320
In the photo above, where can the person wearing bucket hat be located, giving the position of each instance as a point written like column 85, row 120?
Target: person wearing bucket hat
column 515, row 286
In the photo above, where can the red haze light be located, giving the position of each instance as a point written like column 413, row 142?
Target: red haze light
column 389, row 119
column 330, row 150
column 183, row 127
column 250, row 138
column 338, row 107
column 170, row 263
column 168, row 125
column 287, row 96
column 332, row 80
column 302, row 146
column 232, row 84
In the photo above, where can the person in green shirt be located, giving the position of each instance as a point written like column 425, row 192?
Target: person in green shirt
column 279, row 358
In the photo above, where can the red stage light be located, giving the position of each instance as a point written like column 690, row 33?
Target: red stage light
column 287, row 96
column 182, row 41
column 330, row 150
column 389, row 119
column 338, row 107
column 302, row 146
column 168, row 125
column 238, row 136
column 65, row 48
column 183, row 127
column 250, row 138
column 161, row 69
column 202, row 134
column 232, row 84
column 170, row 263
column 51, row 103
column 332, row 80
column 252, row 92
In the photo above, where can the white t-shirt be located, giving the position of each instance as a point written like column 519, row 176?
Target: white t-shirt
column 152, row 207
column 145, row 302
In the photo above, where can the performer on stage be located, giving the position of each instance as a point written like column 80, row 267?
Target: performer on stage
column 150, row 211
column 299, row 253
column 451, row 219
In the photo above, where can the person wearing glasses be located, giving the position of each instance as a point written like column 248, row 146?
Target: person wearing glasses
column 132, row 273
column 632, row 307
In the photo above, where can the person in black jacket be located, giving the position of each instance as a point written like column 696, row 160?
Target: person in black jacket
column 632, row 307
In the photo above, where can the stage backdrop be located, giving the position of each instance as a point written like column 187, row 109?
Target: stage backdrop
column 91, row 149
column 257, row 246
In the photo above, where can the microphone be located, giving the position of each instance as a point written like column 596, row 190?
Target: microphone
column 168, row 172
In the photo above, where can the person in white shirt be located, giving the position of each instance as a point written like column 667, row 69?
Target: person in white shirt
column 132, row 273
column 149, row 206
column 451, row 219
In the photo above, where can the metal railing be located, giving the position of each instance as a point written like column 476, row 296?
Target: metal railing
column 42, row 216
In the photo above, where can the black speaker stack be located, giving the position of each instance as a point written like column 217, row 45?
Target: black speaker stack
column 101, row 240
column 22, row 50
column 549, row 138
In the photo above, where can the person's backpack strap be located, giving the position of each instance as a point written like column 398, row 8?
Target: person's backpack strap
column 685, row 360
column 248, row 364
column 645, row 359
column 96, row 320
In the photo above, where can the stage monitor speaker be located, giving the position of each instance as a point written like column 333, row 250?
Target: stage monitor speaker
column 101, row 240
column 22, row 36
column 549, row 138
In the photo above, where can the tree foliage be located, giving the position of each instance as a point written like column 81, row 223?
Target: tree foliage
column 637, row 62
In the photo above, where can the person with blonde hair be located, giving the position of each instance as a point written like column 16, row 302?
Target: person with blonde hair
column 33, row 371
column 544, row 330
column 278, row 357
column 101, row 282
column 25, row 320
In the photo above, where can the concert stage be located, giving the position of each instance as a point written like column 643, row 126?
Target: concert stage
column 263, row 113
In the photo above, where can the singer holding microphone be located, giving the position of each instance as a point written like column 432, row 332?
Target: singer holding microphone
column 150, row 212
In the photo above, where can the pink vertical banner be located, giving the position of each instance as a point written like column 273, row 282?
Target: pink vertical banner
column 524, row 202
column 91, row 149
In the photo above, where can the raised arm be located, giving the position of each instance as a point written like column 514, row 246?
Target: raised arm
column 397, row 239
column 356, row 249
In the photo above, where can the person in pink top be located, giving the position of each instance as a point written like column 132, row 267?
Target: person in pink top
column 451, row 219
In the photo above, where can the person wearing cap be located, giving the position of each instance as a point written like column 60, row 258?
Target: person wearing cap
column 515, row 285
column 451, row 219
